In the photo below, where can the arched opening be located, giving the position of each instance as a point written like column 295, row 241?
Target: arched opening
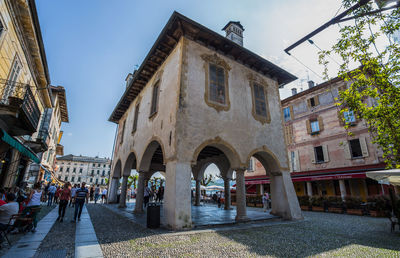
column 211, row 183
column 128, row 178
column 114, row 184
column 150, row 183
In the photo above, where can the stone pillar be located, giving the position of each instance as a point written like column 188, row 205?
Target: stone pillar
column 139, row 193
column 177, row 207
column 122, row 198
column 112, row 192
column 342, row 188
column 227, row 189
column 284, row 200
column 309, row 189
column 241, row 213
column 197, row 193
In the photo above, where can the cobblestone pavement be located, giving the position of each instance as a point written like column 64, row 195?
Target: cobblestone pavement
column 61, row 236
column 318, row 235
column 15, row 237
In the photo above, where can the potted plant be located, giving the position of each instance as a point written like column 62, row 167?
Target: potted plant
column 353, row 205
column 304, row 202
column 378, row 206
column 335, row 204
column 317, row 203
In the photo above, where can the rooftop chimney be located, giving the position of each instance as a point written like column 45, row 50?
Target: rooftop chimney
column 294, row 91
column 129, row 78
column 234, row 31
column 310, row 84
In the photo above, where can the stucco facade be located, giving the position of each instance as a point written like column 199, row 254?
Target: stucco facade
column 188, row 129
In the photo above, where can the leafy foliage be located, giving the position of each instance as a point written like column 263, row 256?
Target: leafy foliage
column 373, row 93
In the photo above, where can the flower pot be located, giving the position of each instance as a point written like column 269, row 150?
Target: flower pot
column 317, row 208
column 335, row 210
column 376, row 213
column 304, row 208
column 354, row 211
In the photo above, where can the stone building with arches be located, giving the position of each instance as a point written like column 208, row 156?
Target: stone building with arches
column 200, row 98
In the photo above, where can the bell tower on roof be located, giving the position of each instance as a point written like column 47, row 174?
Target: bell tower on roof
column 234, row 31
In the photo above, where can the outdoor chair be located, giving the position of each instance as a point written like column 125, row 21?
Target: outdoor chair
column 393, row 221
column 10, row 226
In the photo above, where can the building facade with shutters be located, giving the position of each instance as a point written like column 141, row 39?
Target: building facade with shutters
column 25, row 94
column 79, row 169
column 324, row 159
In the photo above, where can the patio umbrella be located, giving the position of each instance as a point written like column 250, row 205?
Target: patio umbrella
column 390, row 176
column 214, row 188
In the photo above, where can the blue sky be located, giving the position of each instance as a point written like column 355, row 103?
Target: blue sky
column 92, row 45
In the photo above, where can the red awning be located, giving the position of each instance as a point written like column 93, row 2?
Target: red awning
column 313, row 178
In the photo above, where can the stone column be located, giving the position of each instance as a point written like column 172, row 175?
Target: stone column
column 112, row 192
column 283, row 197
column 241, row 213
column 309, row 189
column 262, row 189
column 227, row 189
column 139, row 193
column 198, row 193
column 177, row 207
column 122, row 198
column 342, row 188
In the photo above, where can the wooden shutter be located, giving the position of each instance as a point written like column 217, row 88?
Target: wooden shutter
column 346, row 149
column 316, row 100
column 312, row 155
column 291, row 112
column 290, row 161
column 326, row 153
column 308, row 125
column 297, row 161
column 364, row 147
column 320, row 123
column 309, row 103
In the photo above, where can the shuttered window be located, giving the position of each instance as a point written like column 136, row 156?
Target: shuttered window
column 135, row 119
column 122, row 133
column 259, row 100
column 286, row 114
column 217, row 84
column 154, row 100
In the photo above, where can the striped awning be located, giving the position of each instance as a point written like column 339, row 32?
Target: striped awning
column 19, row 146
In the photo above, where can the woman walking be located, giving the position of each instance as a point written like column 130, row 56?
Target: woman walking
column 65, row 195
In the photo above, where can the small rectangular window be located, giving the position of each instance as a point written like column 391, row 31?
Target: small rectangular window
column 349, row 117
column 355, row 148
column 135, row 119
column 314, row 126
column 250, row 166
column 79, row 179
column 91, row 180
column 74, row 170
column 80, row 170
column 67, row 169
column 72, row 179
column 259, row 100
column 97, row 181
column 293, row 160
column 98, row 172
column 102, row 181
column 217, row 84
column 154, row 100
column 66, row 178
column 61, row 169
column 122, row 133
column 286, row 114
column 319, row 154
column 59, row 177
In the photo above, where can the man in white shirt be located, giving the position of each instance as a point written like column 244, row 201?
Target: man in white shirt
column 104, row 195
column 7, row 210
column 73, row 193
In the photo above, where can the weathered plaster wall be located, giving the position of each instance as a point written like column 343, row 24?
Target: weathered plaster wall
column 199, row 122
column 158, row 127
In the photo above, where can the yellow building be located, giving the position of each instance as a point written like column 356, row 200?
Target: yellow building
column 24, row 88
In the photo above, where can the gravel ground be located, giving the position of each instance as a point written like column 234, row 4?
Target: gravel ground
column 15, row 237
column 320, row 234
column 61, row 235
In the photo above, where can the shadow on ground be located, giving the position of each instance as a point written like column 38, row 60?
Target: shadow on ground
column 319, row 233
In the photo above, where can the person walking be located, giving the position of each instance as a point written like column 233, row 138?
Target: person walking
column 91, row 193
column 65, row 196
column 33, row 203
column 52, row 191
column 73, row 193
column 147, row 193
column 57, row 194
column 104, row 195
column 96, row 193
column 265, row 201
column 82, row 195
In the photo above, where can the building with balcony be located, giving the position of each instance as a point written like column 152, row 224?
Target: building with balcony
column 324, row 159
column 78, row 169
column 200, row 98
column 46, row 141
column 24, row 87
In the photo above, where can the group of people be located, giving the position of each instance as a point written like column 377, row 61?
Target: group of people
column 153, row 194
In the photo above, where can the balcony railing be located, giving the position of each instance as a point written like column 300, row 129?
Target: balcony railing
column 19, row 97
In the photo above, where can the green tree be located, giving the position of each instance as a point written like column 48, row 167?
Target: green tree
column 132, row 180
column 207, row 180
column 373, row 94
